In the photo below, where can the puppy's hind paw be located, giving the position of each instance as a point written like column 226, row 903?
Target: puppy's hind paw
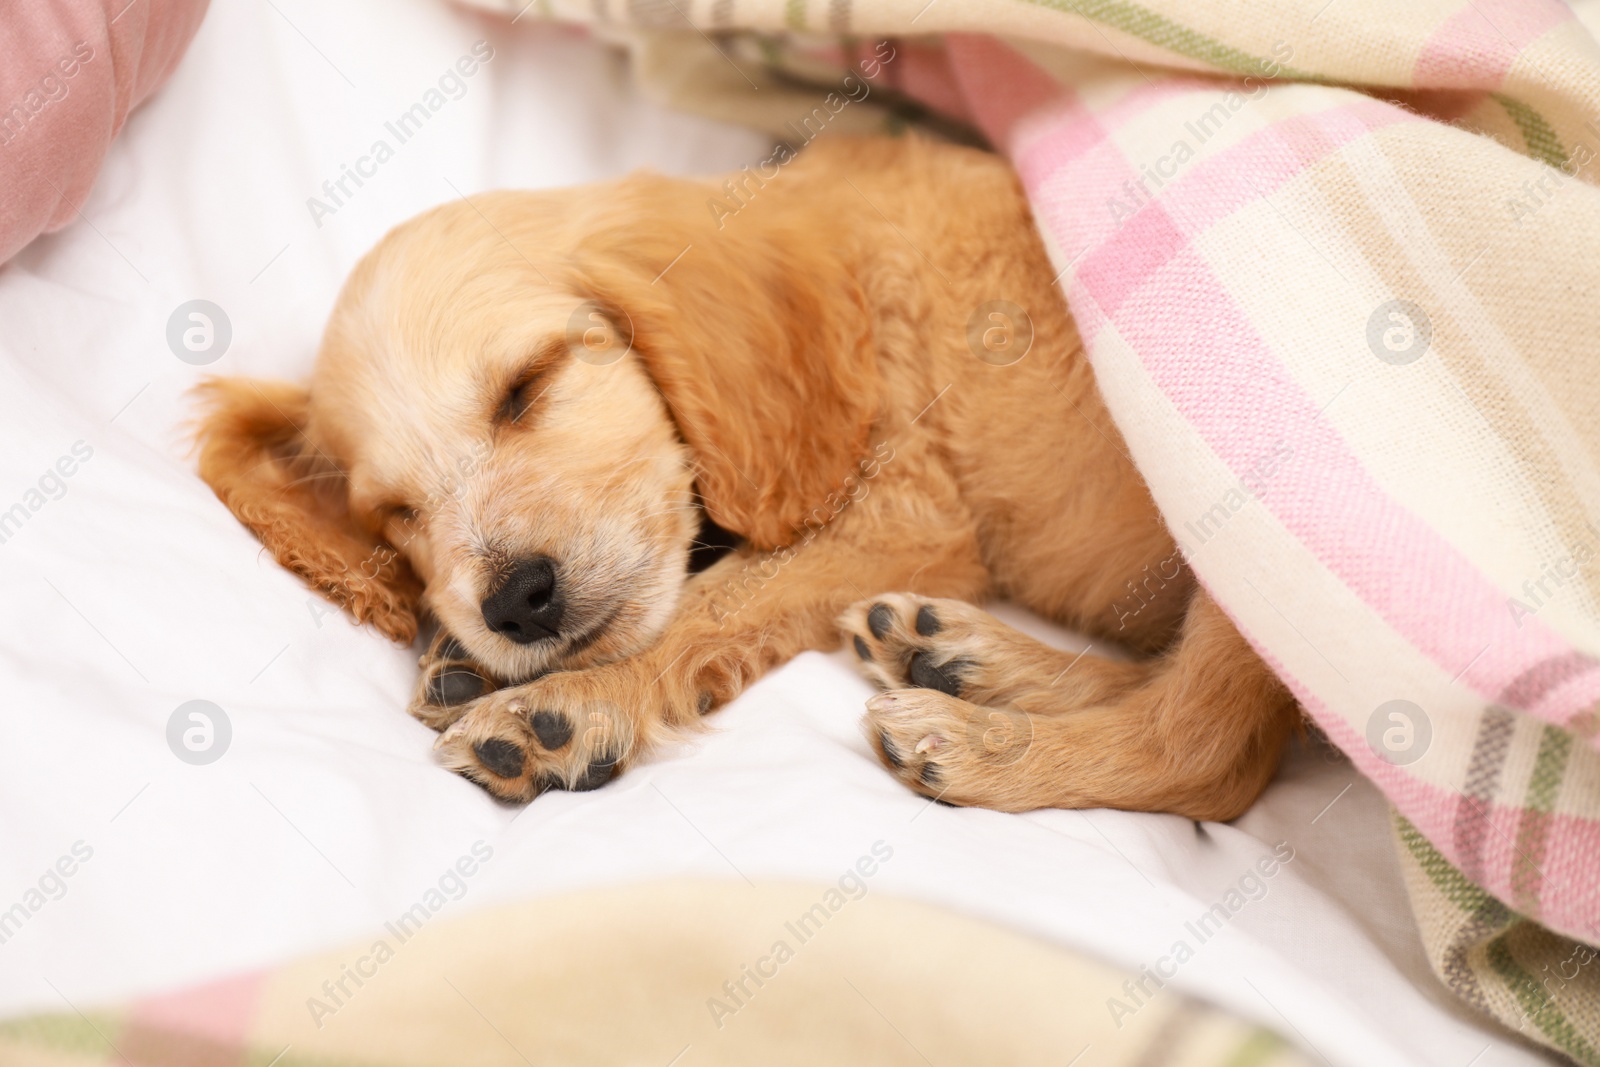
column 906, row 640
column 902, row 640
column 944, row 747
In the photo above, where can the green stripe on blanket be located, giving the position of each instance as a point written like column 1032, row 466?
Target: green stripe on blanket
column 1175, row 37
column 1540, row 136
column 1538, row 1005
column 1544, row 786
column 1489, row 955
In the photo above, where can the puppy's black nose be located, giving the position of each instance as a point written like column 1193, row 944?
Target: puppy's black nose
column 526, row 606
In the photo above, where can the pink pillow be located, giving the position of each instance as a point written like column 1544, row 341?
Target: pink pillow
column 70, row 71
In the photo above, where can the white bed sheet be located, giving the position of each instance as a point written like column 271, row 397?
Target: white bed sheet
column 135, row 591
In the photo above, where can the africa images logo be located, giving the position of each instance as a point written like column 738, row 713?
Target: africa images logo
column 450, row 86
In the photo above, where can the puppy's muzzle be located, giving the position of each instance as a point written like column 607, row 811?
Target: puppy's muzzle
column 527, row 605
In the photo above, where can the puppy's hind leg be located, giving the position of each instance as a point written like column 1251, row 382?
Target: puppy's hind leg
column 903, row 640
column 1199, row 735
column 449, row 681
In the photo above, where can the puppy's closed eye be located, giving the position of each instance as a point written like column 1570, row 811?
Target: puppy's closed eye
column 520, row 398
column 398, row 523
column 529, row 385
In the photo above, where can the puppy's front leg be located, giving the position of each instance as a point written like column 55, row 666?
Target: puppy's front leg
column 904, row 528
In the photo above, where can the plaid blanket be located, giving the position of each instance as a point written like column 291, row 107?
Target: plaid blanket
column 681, row 974
column 1334, row 263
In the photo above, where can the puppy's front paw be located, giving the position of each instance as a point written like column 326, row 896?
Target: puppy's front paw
column 569, row 730
column 946, row 748
column 450, row 680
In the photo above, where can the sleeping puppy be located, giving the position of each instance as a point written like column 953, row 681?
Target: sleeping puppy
column 533, row 411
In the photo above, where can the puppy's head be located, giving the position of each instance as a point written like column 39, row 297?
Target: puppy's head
column 522, row 402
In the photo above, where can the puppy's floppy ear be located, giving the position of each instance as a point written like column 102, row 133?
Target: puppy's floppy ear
column 757, row 335
column 256, row 457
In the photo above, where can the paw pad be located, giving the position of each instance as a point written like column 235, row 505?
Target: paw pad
column 924, row 674
column 552, row 729
column 597, row 775
column 879, row 619
column 449, row 682
column 456, row 685
column 500, row 756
